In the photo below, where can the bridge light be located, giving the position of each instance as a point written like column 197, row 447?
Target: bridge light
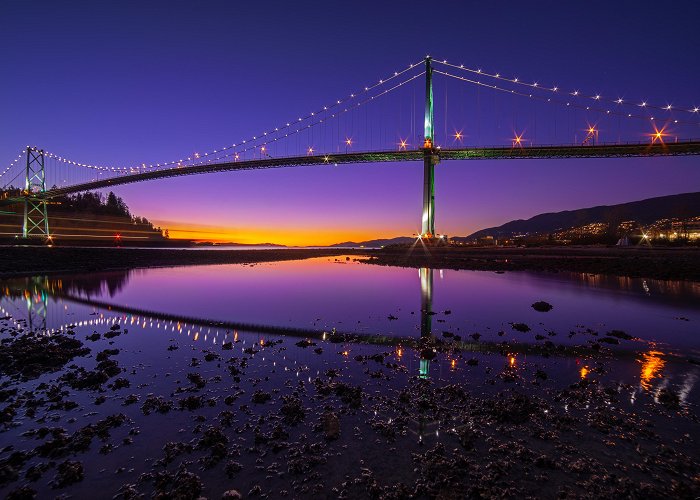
column 458, row 135
column 310, row 150
column 348, row 141
column 518, row 140
column 402, row 144
column 658, row 135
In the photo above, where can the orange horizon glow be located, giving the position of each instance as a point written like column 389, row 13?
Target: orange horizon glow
column 282, row 236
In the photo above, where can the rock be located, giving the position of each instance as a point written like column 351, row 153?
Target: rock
column 28, row 356
column 669, row 398
column 67, row 473
column 261, row 397
column 231, row 494
column 21, row 493
column 305, row 343
column 520, row 327
column 197, row 380
column 331, row 426
column 619, row 334
column 292, row 410
column 191, row 403
column 542, row 306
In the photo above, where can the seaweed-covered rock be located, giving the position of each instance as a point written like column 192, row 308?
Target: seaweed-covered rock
column 29, row 356
column 67, row 473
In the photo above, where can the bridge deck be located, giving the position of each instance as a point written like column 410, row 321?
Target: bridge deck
column 478, row 153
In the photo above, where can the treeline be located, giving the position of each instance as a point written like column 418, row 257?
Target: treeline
column 97, row 204
column 93, row 203
column 90, row 203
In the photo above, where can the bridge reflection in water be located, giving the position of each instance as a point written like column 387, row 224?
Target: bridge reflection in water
column 426, row 315
column 39, row 305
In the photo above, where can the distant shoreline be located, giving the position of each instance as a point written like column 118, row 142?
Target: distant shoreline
column 634, row 262
column 639, row 262
column 32, row 261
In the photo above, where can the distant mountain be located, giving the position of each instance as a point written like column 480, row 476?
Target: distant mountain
column 375, row 243
column 643, row 211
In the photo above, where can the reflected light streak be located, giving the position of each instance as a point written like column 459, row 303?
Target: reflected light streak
column 652, row 365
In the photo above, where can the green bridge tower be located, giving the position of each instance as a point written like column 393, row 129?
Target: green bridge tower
column 36, row 220
column 430, row 159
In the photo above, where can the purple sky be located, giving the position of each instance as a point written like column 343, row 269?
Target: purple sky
column 123, row 83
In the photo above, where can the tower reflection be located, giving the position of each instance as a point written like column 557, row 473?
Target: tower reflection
column 426, row 317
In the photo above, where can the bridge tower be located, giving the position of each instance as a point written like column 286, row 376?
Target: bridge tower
column 36, row 219
column 430, row 159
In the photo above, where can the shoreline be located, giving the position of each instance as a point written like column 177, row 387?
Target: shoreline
column 29, row 261
column 682, row 264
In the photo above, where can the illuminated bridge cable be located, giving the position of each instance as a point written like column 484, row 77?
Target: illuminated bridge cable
column 576, row 93
column 256, row 139
column 318, row 120
column 559, row 101
column 13, row 163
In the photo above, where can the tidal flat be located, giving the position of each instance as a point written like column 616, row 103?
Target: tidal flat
column 331, row 378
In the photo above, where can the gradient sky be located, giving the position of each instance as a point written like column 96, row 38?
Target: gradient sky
column 127, row 82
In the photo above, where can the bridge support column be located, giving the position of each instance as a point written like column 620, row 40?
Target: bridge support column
column 36, row 219
column 429, row 160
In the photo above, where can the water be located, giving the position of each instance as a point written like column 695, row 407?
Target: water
column 173, row 315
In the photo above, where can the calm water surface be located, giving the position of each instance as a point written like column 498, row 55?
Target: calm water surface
column 173, row 315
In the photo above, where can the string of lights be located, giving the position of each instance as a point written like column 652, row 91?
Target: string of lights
column 237, row 153
column 576, row 93
column 202, row 158
column 320, row 120
column 559, row 101
column 13, row 163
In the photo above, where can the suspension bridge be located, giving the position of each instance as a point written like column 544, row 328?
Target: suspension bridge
column 330, row 135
